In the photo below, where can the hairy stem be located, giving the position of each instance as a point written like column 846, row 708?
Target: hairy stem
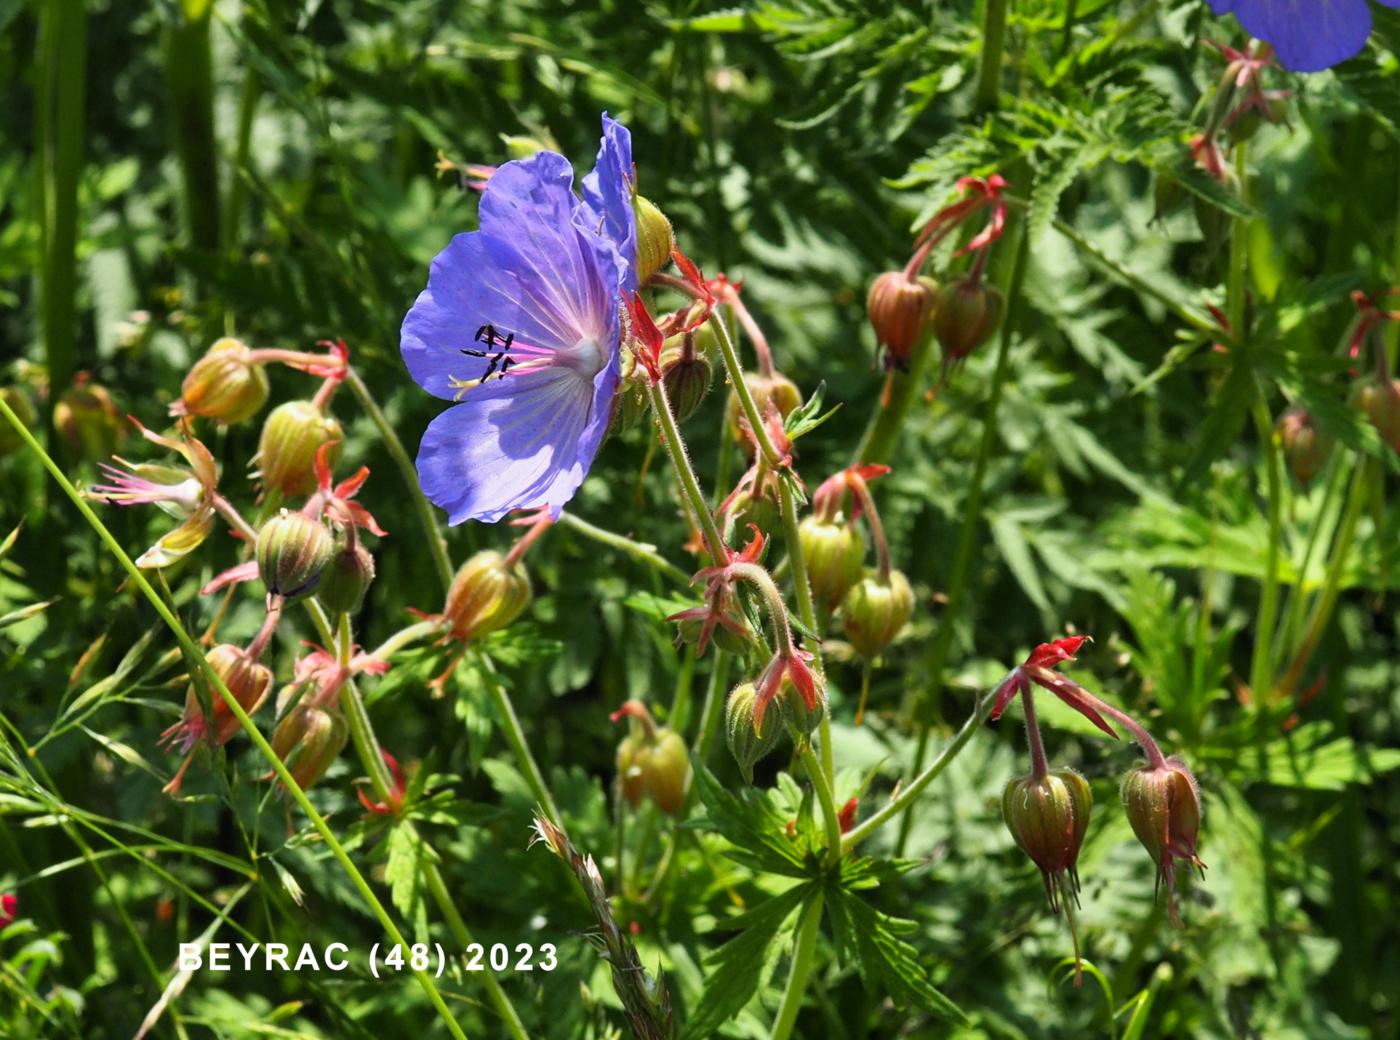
column 993, row 43
column 803, row 951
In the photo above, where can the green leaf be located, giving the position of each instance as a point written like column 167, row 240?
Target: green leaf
column 404, row 876
column 738, row 967
column 885, row 961
column 753, row 825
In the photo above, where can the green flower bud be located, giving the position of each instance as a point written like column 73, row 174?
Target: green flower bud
column 876, row 611
column 632, row 754
column 308, row 739
column 1381, row 404
column 88, row 420
column 746, row 743
column 346, row 579
column 731, row 642
column 1305, row 445
column 291, row 436
column 654, row 239
column 224, row 384
column 967, row 313
column 900, row 309
column 20, row 404
column 835, row 555
column 486, row 595
column 777, row 388
column 1048, row 817
column 802, row 721
column 292, row 551
column 667, row 770
column 758, row 507
column 687, row 375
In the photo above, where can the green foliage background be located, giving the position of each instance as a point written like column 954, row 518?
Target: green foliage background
column 794, row 145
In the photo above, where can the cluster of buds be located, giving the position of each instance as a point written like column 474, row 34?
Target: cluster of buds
column 1047, row 811
column 314, row 549
column 1238, row 106
column 874, row 603
column 652, row 761
column 1306, row 445
column 906, row 306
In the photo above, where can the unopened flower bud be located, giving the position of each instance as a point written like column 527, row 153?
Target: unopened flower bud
column 291, row 436
column 244, row 677
column 632, row 752
column 654, row 238
column 225, row 384
column 1164, row 806
column 753, row 507
column 667, row 770
column 486, row 595
column 900, row 309
column 687, row 375
column 801, row 718
column 748, row 743
column 292, row 551
column 19, row 403
column 308, row 740
column 88, row 420
column 835, row 554
column 967, row 313
column 1381, row 404
column 688, row 631
column 1048, row 817
column 777, row 388
column 346, row 579
column 1305, row 445
column 876, row 611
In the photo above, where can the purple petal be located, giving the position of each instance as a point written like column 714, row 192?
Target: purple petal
column 607, row 195
column 516, row 443
column 1308, row 35
column 528, row 274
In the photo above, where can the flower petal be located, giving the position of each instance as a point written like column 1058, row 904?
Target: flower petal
column 1308, row 35
column 608, row 191
column 516, row 443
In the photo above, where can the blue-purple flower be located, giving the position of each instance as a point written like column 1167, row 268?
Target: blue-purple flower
column 520, row 325
column 1307, row 35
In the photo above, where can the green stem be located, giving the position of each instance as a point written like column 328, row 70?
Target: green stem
column 189, row 77
column 685, row 473
column 404, row 637
column 912, row 790
column 58, row 127
column 515, row 736
column 1332, row 584
column 238, row 187
column 993, row 43
column 831, row 817
column 437, row 548
column 885, row 422
column 196, row 657
column 642, row 552
column 971, row 519
column 1298, row 596
column 1261, row 671
column 803, row 951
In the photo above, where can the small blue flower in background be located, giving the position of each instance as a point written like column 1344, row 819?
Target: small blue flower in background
column 521, row 326
column 1307, row 35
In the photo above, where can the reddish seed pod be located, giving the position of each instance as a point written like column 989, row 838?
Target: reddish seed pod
column 1306, row 446
column 900, row 309
column 1164, row 806
column 777, row 388
column 967, row 313
column 1048, row 817
column 245, row 678
column 1381, row 404
column 308, row 740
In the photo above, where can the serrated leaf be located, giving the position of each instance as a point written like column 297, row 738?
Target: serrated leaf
column 885, row 961
column 737, row 967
